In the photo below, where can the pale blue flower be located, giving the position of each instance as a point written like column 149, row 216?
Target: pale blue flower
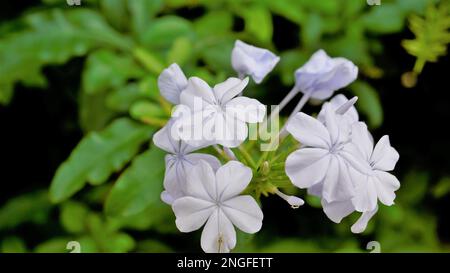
column 322, row 75
column 252, row 61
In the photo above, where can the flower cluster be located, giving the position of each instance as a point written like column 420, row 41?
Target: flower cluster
column 336, row 160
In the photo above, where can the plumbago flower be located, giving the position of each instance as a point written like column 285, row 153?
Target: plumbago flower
column 252, row 61
column 178, row 161
column 369, row 178
column 214, row 198
column 322, row 75
column 324, row 160
column 217, row 112
column 171, row 82
column 337, row 160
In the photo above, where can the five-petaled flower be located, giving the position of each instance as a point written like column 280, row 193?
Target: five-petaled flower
column 215, row 198
column 217, row 112
column 178, row 161
column 323, row 161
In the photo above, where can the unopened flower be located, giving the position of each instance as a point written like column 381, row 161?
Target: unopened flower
column 213, row 198
column 217, row 112
column 171, row 82
column 252, row 61
column 178, row 161
column 340, row 103
column 323, row 159
column 322, row 75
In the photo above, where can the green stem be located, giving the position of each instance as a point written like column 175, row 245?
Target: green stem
column 247, row 157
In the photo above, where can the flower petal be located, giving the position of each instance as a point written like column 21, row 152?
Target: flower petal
column 362, row 222
column 229, row 131
column 337, row 184
column 384, row 156
column 196, row 92
column 307, row 166
column 218, row 235
column 362, row 139
column 322, row 75
column 174, row 178
column 191, row 213
column 365, row 198
column 232, row 178
column 246, row 109
column 201, row 182
column 254, row 61
column 244, row 213
column 386, row 184
column 309, row 131
column 338, row 128
column 229, row 89
column 171, row 82
column 164, row 141
column 337, row 210
column 196, row 157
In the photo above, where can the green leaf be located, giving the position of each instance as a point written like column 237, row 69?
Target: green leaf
column 290, row 9
column 141, row 110
column 414, row 187
column 54, row 245
column 122, row 98
column 153, row 246
column 442, row 188
column 384, row 19
column 73, row 217
column 217, row 56
column 13, row 245
column 93, row 113
column 142, row 12
column 258, row 22
column 29, row 208
column 368, row 102
column 161, row 33
column 97, row 156
column 181, row 51
column 105, row 69
column 214, row 23
column 115, row 12
column 51, row 37
column 139, row 186
column 312, row 30
column 289, row 62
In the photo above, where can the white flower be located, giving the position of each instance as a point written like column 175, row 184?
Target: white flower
column 214, row 199
column 171, row 83
column 370, row 187
column 178, row 161
column 322, row 75
column 379, row 184
column 252, row 61
column 323, row 157
column 222, row 117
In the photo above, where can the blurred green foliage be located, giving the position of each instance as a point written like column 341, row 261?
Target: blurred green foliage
column 106, row 194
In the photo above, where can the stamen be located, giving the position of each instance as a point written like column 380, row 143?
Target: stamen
column 294, row 201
